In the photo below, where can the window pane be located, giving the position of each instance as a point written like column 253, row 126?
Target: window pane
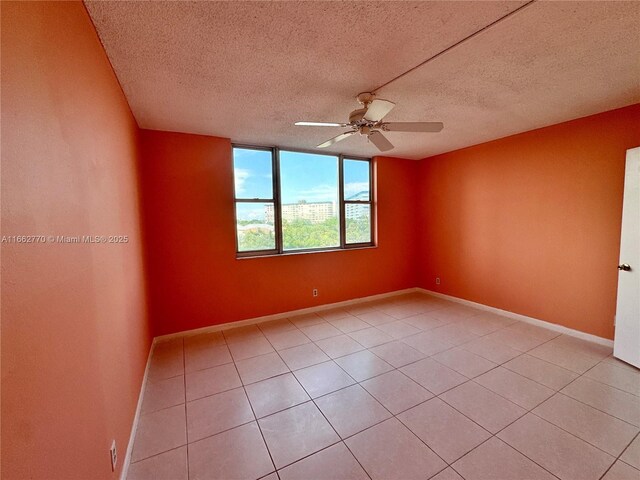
column 253, row 173
column 309, row 197
column 356, row 180
column 358, row 222
column 254, row 226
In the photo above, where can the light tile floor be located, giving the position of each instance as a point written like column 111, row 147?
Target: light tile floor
column 408, row 387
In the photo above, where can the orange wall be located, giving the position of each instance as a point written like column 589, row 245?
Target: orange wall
column 195, row 279
column 74, row 331
column 531, row 223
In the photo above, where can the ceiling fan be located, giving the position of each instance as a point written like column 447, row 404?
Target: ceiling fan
column 368, row 121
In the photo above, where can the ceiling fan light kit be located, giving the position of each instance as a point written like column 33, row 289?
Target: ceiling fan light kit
column 367, row 121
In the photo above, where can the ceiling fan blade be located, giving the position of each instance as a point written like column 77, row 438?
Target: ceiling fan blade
column 412, row 126
column 321, row 124
column 380, row 141
column 336, row 139
column 378, row 108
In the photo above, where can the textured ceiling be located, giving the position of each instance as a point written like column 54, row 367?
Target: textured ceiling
column 249, row 70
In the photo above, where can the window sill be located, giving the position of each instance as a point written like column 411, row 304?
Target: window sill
column 305, row 252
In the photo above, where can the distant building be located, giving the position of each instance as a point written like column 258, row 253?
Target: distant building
column 354, row 210
column 315, row 212
column 318, row 212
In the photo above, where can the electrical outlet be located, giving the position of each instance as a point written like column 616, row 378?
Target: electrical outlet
column 114, row 456
column 315, row 292
column 437, row 280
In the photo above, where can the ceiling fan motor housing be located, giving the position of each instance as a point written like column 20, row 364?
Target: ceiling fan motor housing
column 365, row 98
column 357, row 115
column 367, row 121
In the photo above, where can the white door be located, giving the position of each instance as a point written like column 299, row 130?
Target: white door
column 626, row 345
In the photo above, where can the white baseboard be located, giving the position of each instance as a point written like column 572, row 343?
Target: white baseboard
column 278, row 316
column 523, row 318
column 136, row 417
column 355, row 301
column 225, row 326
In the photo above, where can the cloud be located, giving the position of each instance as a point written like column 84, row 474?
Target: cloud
column 319, row 193
column 329, row 193
column 241, row 175
column 355, row 187
column 256, row 212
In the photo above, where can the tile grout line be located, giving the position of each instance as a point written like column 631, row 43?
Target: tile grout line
column 255, row 419
column 186, row 420
column 393, row 415
column 435, row 396
column 600, row 383
column 492, row 435
column 374, row 376
column 637, row 437
column 377, row 423
column 356, row 459
column 399, row 413
column 399, row 339
column 264, row 440
column 160, row 453
column 596, row 408
column 508, row 445
column 359, row 383
column 618, row 457
column 146, row 384
column 342, row 440
column 243, row 385
column 570, row 433
column 556, row 392
column 323, row 415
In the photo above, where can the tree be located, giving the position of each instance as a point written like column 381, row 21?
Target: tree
column 301, row 234
column 306, row 234
column 358, row 230
column 258, row 239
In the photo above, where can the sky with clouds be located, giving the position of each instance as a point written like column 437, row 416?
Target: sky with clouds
column 303, row 176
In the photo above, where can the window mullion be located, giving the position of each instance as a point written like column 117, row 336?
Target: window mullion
column 372, row 206
column 277, row 203
column 343, row 236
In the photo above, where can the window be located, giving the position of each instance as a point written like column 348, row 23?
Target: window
column 357, row 200
column 288, row 201
column 255, row 200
